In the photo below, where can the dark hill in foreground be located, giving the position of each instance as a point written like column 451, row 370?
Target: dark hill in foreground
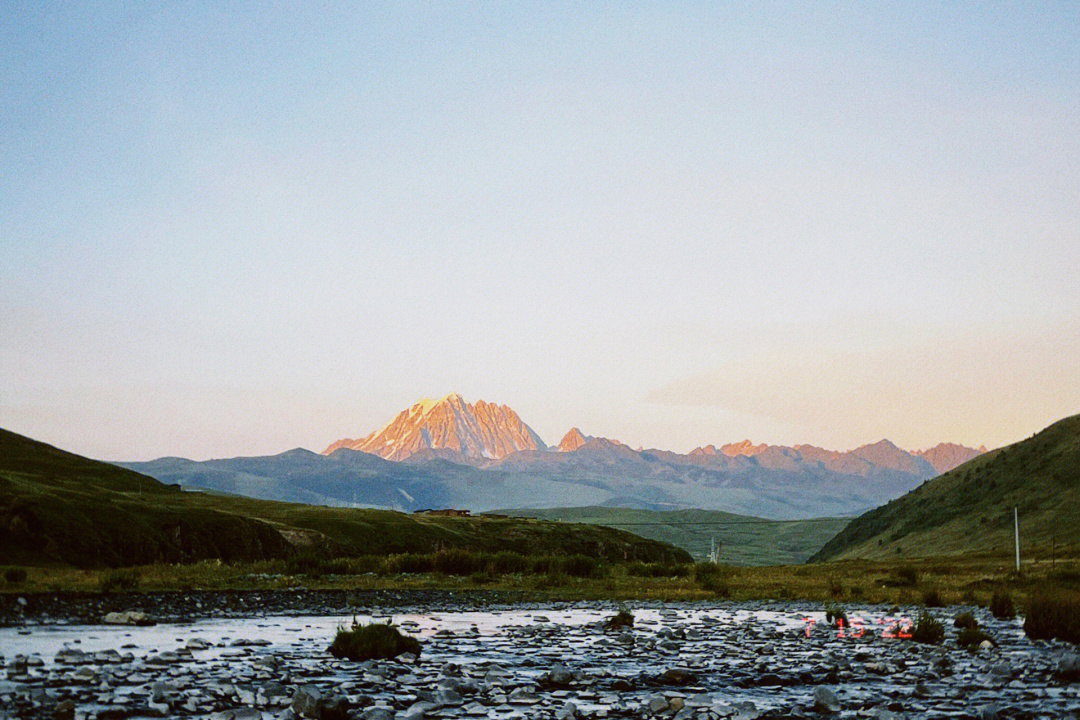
column 60, row 508
column 969, row 509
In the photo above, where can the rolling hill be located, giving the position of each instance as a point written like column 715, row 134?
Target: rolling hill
column 742, row 540
column 969, row 509
column 60, row 508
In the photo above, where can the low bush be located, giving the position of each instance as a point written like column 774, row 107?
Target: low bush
column 508, row 563
column 457, row 562
column 835, row 613
column 836, row 588
column 928, row 630
column 14, row 575
column 580, row 566
column 1001, row 605
column 621, row 619
column 641, row 569
column 372, row 642
column 932, row 598
column 1053, row 615
column 120, row 580
column 308, row 563
column 971, row 637
column 965, row 620
column 907, row 575
column 409, row 564
column 715, row 584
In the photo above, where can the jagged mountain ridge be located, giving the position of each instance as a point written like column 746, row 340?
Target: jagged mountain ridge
column 480, row 431
column 449, row 453
column 453, row 429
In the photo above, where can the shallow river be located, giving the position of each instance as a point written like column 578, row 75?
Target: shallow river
column 691, row 661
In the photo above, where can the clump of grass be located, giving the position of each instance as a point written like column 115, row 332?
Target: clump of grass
column 657, row 569
column 622, row 619
column 971, row 637
column 508, row 563
column 966, row 621
column 580, row 566
column 14, row 575
column 907, row 575
column 377, row 641
column 928, row 630
column 835, row 613
column 124, row 580
column 1053, row 615
column 409, row 564
column 1001, row 605
column 712, row 578
column 457, row 562
column 932, row 598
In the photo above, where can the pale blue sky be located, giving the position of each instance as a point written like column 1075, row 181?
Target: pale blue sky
column 237, row 230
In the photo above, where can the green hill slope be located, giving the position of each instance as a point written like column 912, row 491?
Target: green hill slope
column 969, row 509
column 743, row 540
column 60, row 508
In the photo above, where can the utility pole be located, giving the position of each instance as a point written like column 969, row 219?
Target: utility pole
column 1016, row 537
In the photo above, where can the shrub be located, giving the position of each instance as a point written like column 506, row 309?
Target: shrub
column 508, row 563
column 966, row 621
column 372, row 642
column 580, row 566
column 308, row 563
column 1001, row 605
column 457, row 562
column 712, row 578
column 971, row 637
column 1053, row 615
column 836, row 588
column 928, row 630
column 640, row 569
column 14, row 575
column 621, row 619
column 835, row 613
column 932, row 598
column 409, row 563
column 120, row 580
column 907, row 575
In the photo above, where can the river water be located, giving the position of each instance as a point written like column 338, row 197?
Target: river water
column 693, row 660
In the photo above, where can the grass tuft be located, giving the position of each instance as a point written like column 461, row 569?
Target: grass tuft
column 622, row 619
column 907, row 575
column 835, row 613
column 1053, row 615
column 971, row 637
column 932, row 598
column 377, row 641
column 965, row 621
column 124, row 580
column 928, row 630
column 14, row 575
column 1001, row 605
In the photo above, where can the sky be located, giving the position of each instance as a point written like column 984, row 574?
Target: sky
column 236, row 230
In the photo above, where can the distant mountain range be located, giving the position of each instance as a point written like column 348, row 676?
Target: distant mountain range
column 482, row 456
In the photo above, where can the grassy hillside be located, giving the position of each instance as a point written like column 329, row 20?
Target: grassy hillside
column 743, row 540
column 60, row 508
column 969, row 509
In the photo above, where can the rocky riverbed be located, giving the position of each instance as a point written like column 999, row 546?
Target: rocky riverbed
column 726, row 660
